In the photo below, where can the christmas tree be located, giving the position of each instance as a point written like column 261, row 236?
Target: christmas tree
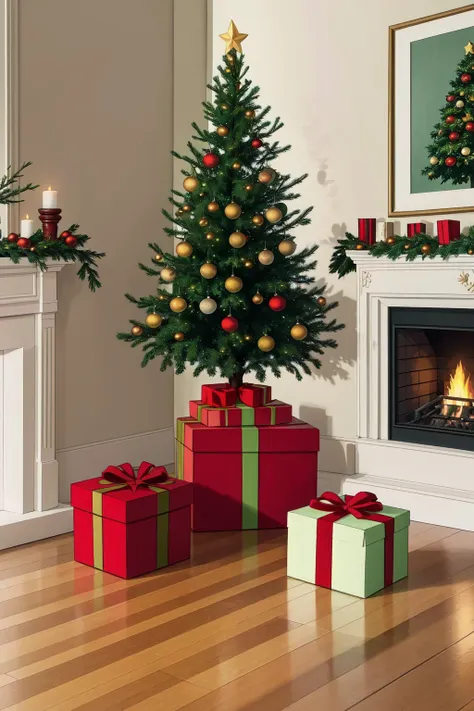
column 243, row 299
column 451, row 152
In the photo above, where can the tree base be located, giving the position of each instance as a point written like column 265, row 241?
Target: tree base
column 236, row 380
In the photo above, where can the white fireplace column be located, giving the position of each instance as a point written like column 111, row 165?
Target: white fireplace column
column 29, row 483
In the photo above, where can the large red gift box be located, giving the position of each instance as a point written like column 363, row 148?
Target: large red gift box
column 448, row 231
column 274, row 413
column 129, row 524
column 247, row 477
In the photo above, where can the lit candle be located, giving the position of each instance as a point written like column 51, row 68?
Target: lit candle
column 26, row 227
column 50, row 198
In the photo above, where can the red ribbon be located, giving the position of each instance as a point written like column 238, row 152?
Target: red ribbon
column 362, row 505
column 147, row 475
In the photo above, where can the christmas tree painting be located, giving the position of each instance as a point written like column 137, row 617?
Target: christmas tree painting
column 243, row 298
column 451, row 153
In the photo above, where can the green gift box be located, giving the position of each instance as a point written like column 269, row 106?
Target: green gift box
column 353, row 544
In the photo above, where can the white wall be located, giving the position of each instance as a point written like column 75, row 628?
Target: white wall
column 323, row 68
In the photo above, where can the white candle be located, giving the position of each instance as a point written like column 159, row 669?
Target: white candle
column 26, row 227
column 50, row 198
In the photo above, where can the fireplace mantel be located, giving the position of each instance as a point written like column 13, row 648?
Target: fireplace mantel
column 29, row 505
column 436, row 483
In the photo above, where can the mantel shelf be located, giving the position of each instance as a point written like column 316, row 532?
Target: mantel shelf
column 364, row 259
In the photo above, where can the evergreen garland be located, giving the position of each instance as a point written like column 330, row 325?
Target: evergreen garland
column 420, row 245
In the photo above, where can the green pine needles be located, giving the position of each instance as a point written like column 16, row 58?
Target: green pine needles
column 230, row 164
column 451, row 153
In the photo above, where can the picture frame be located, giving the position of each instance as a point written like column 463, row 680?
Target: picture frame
column 423, row 57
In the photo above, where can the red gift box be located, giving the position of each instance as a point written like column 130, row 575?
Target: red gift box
column 448, row 231
column 274, row 413
column 220, row 395
column 247, row 477
column 367, row 226
column 255, row 395
column 129, row 525
column 416, row 228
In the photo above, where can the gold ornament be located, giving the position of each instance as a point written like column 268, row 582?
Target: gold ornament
column 233, row 284
column 203, row 222
column 230, row 59
column 163, row 297
column 266, row 344
column 466, row 151
column 360, row 246
column 184, row 249
column 153, row 320
column 459, row 104
column 225, row 107
column 471, row 97
column 232, row 211
column 137, row 330
column 257, row 298
column 208, row 270
column 237, row 240
column 266, row 176
column 186, row 208
column 258, row 220
column 431, row 174
column 426, row 248
column 321, row 301
column 466, row 118
column 434, row 160
column 287, row 247
column 168, row 274
column 222, row 131
column 248, row 188
column 469, row 48
column 461, row 93
column 299, row 332
column 406, row 246
column 390, row 240
column 180, row 212
column 213, row 206
column 266, row 257
column 236, row 165
column 250, row 114
column 233, row 38
column 190, row 183
column 470, row 251
column 210, row 236
column 247, row 337
column 248, row 264
column 158, row 258
column 228, row 70
column 179, row 336
column 178, row 304
column 201, row 194
column 273, row 215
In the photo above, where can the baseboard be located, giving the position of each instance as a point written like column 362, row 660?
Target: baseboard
column 18, row 529
column 438, row 505
column 89, row 460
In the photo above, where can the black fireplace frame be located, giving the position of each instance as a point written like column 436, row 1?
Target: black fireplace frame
column 426, row 319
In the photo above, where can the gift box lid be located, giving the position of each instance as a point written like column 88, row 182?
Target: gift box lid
column 296, row 436
column 120, row 503
column 240, row 415
column 359, row 531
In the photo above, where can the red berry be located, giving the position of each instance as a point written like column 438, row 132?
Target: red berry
column 71, row 241
column 454, row 136
column 450, row 98
column 450, row 161
column 230, row 324
column 65, row 234
column 469, row 126
column 466, row 78
column 12, row 237
column 211, row 160
column 257, row 143
column 450, row 119
column 277, row 303
column 23, row 243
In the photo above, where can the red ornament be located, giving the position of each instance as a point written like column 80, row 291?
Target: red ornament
column 23, row 243
column 230, row 324
column 277, row 303
column 469, row 126
column 211, row 160
column 450, row 98
column 454, row 136
column 12, row 237
column 256, row 143
column 71, row 241
column 65, row 234
column 450, row 119
column 466, row 78
column 450, row 161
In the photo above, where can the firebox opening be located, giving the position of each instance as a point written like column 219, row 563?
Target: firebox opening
column 432, row 376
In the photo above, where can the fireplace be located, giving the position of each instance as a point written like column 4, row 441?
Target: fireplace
column 431, row 376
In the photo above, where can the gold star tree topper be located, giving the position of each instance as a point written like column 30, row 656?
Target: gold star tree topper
column 233, row 38
column 469, row 48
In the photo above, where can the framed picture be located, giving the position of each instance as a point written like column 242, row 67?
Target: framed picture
column 431, row 114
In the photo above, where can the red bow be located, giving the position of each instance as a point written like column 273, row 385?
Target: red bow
column 361, row 505
column 146, row 475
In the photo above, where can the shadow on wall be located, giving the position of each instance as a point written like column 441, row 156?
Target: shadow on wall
column 336, row 456
column 335, row 363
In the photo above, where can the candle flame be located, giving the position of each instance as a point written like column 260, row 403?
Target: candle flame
column 27, row 217
column 49, row 187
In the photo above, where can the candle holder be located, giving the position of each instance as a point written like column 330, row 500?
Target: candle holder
column 50, row 218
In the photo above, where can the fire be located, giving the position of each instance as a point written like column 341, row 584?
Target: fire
column 460, row 386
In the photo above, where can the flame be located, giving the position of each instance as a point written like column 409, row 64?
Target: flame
column 27, row 217
column 49, row 187
column 460, row 386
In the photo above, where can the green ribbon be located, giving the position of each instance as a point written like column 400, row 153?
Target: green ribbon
column 250, row 446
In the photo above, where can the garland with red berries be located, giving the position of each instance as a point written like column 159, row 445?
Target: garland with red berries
column 421, row 245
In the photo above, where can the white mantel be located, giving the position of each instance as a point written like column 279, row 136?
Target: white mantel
column 436, row 483
column 29, row 504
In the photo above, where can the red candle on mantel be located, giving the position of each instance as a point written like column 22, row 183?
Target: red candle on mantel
column 367, row 229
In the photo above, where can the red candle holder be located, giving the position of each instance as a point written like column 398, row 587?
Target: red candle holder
column 50, row 217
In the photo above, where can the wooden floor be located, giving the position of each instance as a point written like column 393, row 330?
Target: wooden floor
column 231, row 632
